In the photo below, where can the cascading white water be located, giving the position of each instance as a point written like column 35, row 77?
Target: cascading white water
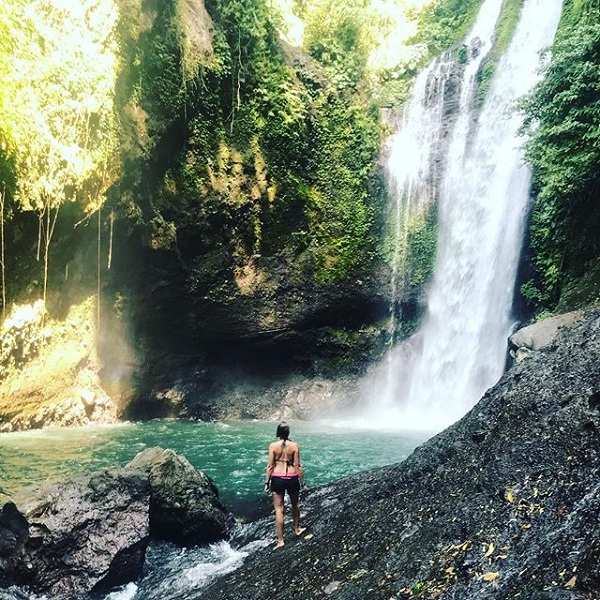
column 459, row 351
column 413, row 168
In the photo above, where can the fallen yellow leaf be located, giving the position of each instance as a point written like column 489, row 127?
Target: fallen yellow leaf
column 489, row 550
column 490, row 576
column 509, row 496
column 571, row 583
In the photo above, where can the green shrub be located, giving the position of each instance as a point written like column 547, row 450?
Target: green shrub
column 562, row 120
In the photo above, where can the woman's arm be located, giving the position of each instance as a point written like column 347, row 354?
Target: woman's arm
column 299, row 467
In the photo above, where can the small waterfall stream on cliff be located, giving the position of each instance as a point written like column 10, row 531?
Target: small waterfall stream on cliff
column 459, row 351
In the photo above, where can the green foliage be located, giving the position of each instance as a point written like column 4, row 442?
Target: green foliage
column 582, row 291
column 340, row 211
column 444, row 23
column 339, row 35
column 530, row 293
column 563, row 123
column 412, row 254
column 56, row 112
column 422, row 244
column 267, row 156
column 58, row 132
column 219, row 133
column 543, row 314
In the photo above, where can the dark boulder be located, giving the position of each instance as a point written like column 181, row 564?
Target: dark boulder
column 14, row 532
column 89, row 534
column 503, row 504
column 184, row 505
column 85, row 533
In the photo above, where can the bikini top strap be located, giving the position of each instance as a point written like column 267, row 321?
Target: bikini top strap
column 282, row 455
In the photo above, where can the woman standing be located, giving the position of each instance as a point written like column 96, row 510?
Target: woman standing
column 285, row 473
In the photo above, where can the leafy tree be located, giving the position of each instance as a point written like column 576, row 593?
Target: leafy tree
column 56, row 113
column 563, row 122
column 443, row 23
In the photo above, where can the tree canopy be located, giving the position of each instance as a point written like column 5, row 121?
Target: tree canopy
column 563, row 122
column 56, row 111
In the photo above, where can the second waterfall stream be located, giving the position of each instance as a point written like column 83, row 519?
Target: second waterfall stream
column 469, row 160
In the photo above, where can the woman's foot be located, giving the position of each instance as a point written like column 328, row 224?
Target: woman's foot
column 279, row 545
column 299, row 531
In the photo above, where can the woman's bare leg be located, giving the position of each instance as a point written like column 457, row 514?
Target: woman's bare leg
column 278, row 505
column 295, row 498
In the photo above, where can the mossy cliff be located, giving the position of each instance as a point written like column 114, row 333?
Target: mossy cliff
column 249, row 212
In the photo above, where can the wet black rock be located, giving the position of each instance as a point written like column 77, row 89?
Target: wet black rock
column 14, row 531
column 85, row 533
column 502, row 505
column 89, row 534
column 262, row 323
column 184, row 506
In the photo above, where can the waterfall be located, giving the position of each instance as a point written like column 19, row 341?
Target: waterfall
column 482, row 191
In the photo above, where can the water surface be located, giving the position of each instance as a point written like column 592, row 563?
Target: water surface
column 233, row 454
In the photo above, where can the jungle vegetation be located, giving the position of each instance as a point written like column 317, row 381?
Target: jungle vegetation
column 562, row 119
column 195, row 124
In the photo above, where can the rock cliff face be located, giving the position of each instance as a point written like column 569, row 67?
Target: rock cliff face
column 212, row 331
column 503, row 504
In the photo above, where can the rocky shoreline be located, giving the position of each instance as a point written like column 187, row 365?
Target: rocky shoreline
column 88, row 534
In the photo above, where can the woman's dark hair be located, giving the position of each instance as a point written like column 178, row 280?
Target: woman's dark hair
column 283, row 430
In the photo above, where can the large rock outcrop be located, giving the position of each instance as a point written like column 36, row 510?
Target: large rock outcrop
column 538, row 335
column 184, row 505
column 89, row 534
column 503, row 504
column 214, row 334
column 85, row 533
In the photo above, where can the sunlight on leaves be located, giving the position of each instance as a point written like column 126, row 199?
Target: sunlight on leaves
column 56, row 102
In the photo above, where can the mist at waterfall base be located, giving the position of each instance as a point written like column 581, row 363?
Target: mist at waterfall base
column 432, row 379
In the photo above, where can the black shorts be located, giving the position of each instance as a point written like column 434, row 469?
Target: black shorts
column 280, row 485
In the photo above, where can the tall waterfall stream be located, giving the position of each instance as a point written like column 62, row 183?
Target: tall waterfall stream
column 472, row 165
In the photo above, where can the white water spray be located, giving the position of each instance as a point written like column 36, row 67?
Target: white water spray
column 437, row 376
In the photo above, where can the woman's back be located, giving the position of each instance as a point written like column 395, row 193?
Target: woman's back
column 284, row 455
